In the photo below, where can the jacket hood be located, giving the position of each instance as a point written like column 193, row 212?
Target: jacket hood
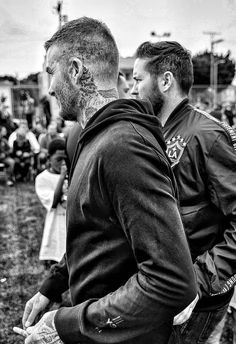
column 137, row 111
column 133, row 110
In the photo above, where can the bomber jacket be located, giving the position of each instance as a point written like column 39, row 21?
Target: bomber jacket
column 129, row 266
column 203, row 155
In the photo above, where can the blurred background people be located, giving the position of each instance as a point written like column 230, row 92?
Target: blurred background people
column 22, row 154
column 44, row 140
column 217, row 112
column 229, row 114
column 5, row 117
column 28, row 108
column 51, row 188
column 45, row 110
column 5, row 156
column 23, row 126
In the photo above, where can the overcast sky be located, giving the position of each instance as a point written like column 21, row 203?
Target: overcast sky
column 26, row 24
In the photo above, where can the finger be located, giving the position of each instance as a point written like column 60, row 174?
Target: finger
column 27, row 311
column 20, row 331
column 181, row 318
column 29, row 339
column 29, row 330
column 31, row 317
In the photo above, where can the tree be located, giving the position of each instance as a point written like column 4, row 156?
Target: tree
column 8, row 78
column 201, row 68
column 31, row 79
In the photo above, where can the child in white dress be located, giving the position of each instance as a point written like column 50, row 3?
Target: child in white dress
column 50, row 186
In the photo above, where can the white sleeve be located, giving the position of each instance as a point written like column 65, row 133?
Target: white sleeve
column 33, row 142
column 11, row 139
column 44, row 190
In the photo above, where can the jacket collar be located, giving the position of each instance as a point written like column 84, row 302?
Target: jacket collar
column 177, row 110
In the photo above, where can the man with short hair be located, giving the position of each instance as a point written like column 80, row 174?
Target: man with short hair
column 127, row 261
column 202, row 152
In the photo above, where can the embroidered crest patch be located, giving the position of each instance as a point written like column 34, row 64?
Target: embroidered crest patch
column 175, row 149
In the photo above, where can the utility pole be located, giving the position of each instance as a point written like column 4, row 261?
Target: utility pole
column 61, row 18
column 58, row 9
column 212, row 35
column 216, row 63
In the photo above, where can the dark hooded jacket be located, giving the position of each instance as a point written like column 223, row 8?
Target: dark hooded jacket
column 129, row 266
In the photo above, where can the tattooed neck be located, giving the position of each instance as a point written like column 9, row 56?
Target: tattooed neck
column 92, row 99
column 111, row 93
column 102, row 98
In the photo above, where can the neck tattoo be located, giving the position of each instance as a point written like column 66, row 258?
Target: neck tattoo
column 102, row 98
column 111, row 93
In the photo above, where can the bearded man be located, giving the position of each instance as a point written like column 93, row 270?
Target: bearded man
column 127, row 262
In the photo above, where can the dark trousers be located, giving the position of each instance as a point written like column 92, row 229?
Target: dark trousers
column 198, row 328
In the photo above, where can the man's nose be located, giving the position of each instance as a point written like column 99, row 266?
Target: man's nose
column 51, row 91
column 134, row 90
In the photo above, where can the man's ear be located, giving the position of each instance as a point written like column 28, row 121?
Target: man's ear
column 167, row 80
column 75, row 69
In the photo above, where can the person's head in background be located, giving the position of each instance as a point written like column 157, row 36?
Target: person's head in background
column 82, row 59
column 56, row 155
column 20, row 137
column 52, row 129
column 23, row 126
column 122, row 86
column 3, row 132
column 163, row 74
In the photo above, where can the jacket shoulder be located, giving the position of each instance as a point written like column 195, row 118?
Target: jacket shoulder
column 213, row 127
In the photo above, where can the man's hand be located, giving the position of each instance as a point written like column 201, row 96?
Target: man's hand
column 186, row 313
column 44, row 332
column 63, row 170
column 33, row 307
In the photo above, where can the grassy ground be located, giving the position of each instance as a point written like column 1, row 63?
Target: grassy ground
column 21, row 225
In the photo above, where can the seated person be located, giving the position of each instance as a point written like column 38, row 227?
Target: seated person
column 44, row 141
column 22, row 154
column 5, row 157
column 6, row 119
column 51, row 188
column 23, row 126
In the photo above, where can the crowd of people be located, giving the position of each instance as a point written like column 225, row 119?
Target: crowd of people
column 24, row 150
column 149, row 240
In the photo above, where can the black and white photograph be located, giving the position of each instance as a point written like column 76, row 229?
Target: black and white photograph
column 118, row 172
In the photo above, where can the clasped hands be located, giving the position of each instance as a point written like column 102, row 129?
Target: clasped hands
column 44, row 332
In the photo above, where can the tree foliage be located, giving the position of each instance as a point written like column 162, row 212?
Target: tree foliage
column 8, row 78
column 201, row 67
column 31, row 79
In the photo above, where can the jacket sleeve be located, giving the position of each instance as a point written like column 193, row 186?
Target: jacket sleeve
column 141, row 192
column 56, row 282
column 216, row 268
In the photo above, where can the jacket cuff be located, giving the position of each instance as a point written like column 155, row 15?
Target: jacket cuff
column 69, row 323
column 52, row 290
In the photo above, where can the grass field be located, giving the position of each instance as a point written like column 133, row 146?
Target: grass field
column 21, row 225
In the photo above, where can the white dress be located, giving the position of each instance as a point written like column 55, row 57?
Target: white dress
column 53, row 244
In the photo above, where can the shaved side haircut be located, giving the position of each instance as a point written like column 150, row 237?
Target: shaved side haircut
column 91, row 41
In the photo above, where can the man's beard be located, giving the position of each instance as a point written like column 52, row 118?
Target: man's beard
column 68, row 102
column 156, row 98
column 73, row 101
